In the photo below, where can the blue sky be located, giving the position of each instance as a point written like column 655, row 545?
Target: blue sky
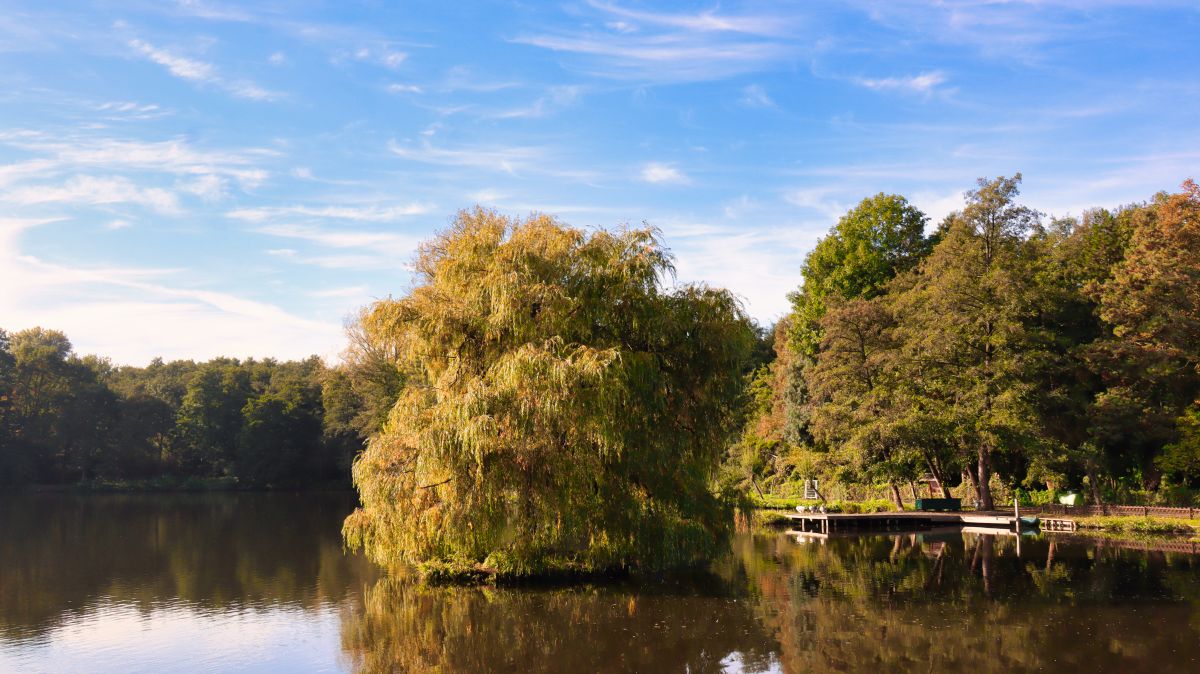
column 194, row 179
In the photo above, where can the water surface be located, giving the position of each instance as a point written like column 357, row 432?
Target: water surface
column 259, row 582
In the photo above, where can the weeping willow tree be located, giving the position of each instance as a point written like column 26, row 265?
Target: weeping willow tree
column 562, row 410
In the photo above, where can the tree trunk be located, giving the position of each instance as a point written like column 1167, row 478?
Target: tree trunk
column 986, row 564
column 1094, row 485
column 935, row 469
column 912, row 486
column 985, row 477
column 970, row 476
column 896, row 495
column 757, row 488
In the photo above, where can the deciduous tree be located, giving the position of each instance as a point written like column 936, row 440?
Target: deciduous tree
column 561, row 409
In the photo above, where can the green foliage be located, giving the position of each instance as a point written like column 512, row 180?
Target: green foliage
column 71, row 419
column 1038, row 497
column 561, row 410
column 1058, row 355
column 963, row 325
column 880, row 238
column 1181, row 458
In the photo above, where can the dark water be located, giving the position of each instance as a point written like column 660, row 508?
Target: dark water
column 259, row 582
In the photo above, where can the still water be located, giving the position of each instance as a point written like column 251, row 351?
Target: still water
column 259, row 583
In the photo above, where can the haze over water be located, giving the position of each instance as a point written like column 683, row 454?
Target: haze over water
column 259, row 582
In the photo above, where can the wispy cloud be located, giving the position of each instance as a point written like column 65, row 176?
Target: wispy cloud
column 129, row 110
column 75, row 151
column 924, row 83
column 358, row 213
column 383, row 55
column 754, row 96
column 656, row 173
column 390, row 243
column 675, row 46
column 759, row 266
column 823, row 200
column 397, row 88
column 202, row 72
column 1008, row 29
column 92, row 190
column 707, row 21
column 556, row 98
column 108, row 303
column 508, row 159
column 341, row 248
column 339, row 293
column 208, row 187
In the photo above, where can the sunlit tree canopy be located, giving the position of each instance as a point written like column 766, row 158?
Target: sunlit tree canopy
column 562, row 407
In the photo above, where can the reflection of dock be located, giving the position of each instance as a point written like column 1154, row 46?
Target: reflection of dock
column 929, row 533
column 827, row 523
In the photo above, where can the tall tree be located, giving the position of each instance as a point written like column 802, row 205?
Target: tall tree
column 881, row 237
column 964, row 324
column 857, row 394
column 209, row 421
column 1153, row 303
column 561, row 409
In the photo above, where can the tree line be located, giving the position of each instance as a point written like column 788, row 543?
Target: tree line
column 66, row 418
column 997, row 348
column 1003, row 348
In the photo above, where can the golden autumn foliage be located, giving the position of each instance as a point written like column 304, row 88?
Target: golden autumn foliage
column 562, row 410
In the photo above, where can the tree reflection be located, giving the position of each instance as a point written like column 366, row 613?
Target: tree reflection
column 960, row 602
column 61, row 554
column 694, row 625
column 929, row 602
column 968, row 603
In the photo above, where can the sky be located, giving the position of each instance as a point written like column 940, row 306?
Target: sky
column 194, row 179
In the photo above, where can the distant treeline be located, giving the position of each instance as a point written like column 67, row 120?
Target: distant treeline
column 1000, row 349
column 70, row 419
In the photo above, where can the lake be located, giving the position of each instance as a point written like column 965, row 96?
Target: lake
column 249, row 582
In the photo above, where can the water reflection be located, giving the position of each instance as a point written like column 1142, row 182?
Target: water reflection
column 64, row 555
column 241, row 582
column 692, row 626
column 968, row 602
column 949, row 602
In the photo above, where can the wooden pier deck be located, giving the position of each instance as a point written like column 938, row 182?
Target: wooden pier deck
column 898, row 521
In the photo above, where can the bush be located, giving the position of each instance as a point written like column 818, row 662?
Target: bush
column 1039, row 497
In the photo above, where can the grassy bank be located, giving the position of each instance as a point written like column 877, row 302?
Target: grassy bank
column 1135, row 524
column 770, row 502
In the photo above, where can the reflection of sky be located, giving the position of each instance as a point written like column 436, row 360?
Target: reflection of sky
column 735, row 663
column 115, row 637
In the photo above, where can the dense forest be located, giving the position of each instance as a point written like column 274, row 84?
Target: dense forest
column 71, row 419
column 1000, row 351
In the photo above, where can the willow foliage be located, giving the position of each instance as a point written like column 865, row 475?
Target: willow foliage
column 561, row 410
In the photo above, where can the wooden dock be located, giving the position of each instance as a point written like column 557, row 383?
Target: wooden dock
column 826, row 523
column 1057, row 524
